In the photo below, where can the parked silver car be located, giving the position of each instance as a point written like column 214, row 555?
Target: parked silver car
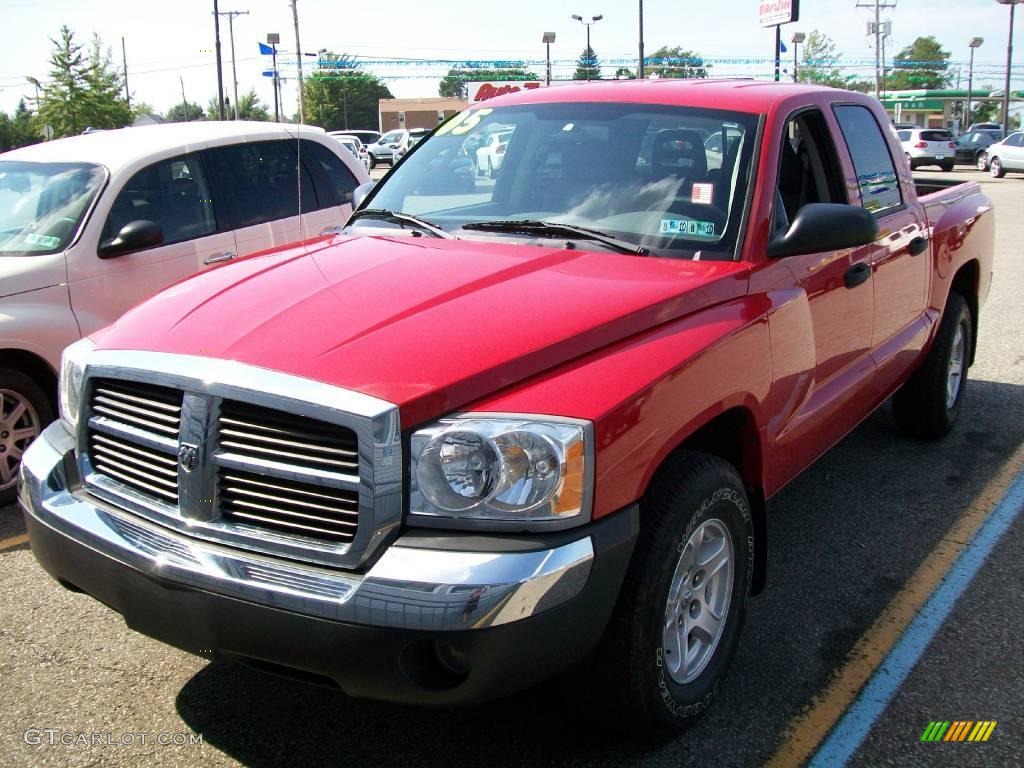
column 1003, row 156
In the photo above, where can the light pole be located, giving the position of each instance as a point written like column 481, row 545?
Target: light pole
column 798, row 37
column 220, row 67
column 548, row 39
column 1009, row 64
column 640, row 63
column 273, row 38
column 588, row 25
column 974, row 43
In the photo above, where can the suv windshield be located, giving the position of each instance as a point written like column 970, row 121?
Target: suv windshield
column 42, row 204
column 640, row 173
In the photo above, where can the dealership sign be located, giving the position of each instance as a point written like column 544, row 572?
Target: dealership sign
column 773, row 12
column 483, row 91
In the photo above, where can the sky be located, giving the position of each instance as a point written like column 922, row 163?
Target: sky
column 170, row 44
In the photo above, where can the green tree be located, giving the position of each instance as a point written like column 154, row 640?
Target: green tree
column 184, row 112
column 140, row 108
column 249, row 108
column 820, row 62
column 84, row 90
column 453, row 85
column 675, row 62
column 588, row 66
column 341, row 99
column 922, row 64
column 625, row 73
column 24, row 127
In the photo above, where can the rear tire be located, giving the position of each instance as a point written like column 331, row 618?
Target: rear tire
column 373, row 162
column 666, row 651
column 995, row 167
column 948, row 167
column 910, row 162
column 928, row 404
column 24, row 411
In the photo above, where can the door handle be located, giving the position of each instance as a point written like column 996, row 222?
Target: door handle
column 918, row 246
column 332, row 230
column 219, row 258
column 857, row 274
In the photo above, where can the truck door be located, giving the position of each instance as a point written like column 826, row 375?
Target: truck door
column 900, row 259
column 821, row 339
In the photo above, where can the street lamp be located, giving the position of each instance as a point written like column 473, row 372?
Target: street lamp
column 548, row 39
column 1009, row 63
column 974, row 43
column 588, row 25
column 798, row 37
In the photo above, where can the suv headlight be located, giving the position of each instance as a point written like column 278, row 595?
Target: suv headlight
column 509, row 473
column 72, row 376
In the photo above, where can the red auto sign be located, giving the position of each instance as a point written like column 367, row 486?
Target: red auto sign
column 482, row 91
column 772, row 12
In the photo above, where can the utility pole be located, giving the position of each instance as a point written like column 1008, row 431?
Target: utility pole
column 1009, row 65
column 273, row 38
column 220, row 68
column 298, row 58
column 231, row 32
column 640, row 64
column 876, row 27
column 124, row 61
column 184, row 101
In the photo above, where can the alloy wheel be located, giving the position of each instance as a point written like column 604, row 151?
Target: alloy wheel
column 19, row 426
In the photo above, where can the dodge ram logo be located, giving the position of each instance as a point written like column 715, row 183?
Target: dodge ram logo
column 188, row 456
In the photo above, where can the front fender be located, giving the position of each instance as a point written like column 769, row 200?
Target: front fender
column 39, row 322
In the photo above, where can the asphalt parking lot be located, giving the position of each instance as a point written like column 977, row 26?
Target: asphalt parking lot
column 849, row 541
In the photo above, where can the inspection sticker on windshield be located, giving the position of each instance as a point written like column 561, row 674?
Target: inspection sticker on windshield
column 46, row 241
column 687, row 227
column 702, row 193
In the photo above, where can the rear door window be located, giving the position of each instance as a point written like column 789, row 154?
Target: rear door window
column 340, row 181
column 262, row 180
column 936, row 136
column 172, row 193
column 876, row 172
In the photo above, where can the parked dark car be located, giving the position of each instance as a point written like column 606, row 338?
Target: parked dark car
column 972, row 144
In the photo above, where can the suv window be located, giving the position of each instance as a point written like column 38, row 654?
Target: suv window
column 261, row 180
column 340, row 180
column 392, row 137
column 903, row 135
column 876, row 173
column 936, row 136
column 1015, row 140
column 171, row 193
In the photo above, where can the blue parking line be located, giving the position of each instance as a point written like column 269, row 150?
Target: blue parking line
column 851, row 731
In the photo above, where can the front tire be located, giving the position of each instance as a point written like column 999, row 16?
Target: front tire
column 678, row 620
column 928, row 404
column 24, row 411
column 981, row 161
column 995, row 167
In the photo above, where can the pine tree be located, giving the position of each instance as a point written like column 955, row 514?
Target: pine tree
column 588, row 66
column 106, row 106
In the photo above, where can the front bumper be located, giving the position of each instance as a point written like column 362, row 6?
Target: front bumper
column 437, row 619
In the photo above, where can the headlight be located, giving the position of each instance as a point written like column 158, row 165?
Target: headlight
column 72, row 376
column 503, row 472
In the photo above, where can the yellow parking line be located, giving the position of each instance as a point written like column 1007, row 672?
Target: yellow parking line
column 807, row 730
column 14, row 541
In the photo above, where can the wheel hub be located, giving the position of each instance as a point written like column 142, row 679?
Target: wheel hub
column 954, row 376
column 19, row 426
column 698, row 601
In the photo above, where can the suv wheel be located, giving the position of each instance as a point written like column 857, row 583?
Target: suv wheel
column 24, row 411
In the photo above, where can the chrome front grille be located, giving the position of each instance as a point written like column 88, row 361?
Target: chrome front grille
column 287, row 505
column 242, row 456
column 133, row 436
column 264, row 435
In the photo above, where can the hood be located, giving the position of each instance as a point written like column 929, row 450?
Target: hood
column 425, row 323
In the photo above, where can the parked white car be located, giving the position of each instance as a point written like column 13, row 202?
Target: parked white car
column 490, row 155
column 92, row 225
column 354, row 145
column 1003, row 156
column 928, row 146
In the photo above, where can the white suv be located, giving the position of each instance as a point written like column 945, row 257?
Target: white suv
column 92, row 225
column 928, row 146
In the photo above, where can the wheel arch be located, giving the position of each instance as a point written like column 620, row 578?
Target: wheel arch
column 733, row 435
column 967, row 282
column 35, row 368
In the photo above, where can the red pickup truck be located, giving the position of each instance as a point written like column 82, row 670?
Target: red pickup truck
column 503, row 422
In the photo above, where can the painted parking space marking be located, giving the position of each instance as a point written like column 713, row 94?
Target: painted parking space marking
column 14, row 541
column 997, row 504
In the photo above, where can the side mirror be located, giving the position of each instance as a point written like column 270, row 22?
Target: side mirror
column 134, row 236
column 825, row 227
column 359, row 193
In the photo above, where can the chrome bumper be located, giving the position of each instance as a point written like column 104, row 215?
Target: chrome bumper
column 407, row 588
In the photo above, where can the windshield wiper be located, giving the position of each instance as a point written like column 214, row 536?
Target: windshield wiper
column 554, row 229
column 401, row 218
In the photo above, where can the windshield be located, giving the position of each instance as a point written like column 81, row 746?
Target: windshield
column 639, row 172
column 42, row 204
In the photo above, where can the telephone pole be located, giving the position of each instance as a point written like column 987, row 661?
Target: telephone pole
column 220, row 68
column 875, row 28
column 124, row 61
column 298, row 58
column 231, row 32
